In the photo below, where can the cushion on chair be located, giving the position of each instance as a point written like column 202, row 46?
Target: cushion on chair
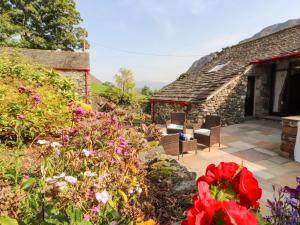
column 203, row 131
column 175, row 127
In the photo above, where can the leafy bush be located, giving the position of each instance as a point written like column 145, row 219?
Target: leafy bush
column 33, row 100
column 91, row 176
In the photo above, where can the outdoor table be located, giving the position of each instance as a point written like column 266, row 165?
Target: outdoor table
column 186, row 146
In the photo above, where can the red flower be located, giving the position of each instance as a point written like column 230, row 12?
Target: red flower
column 235, row 214
column 224, row 195
column 249, row 190
column 227, row 175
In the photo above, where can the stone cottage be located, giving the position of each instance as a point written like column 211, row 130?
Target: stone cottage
column 73, row 65
column 258, row 78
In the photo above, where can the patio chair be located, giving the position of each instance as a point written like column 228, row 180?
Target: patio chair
column 176, row 124
column 208, row 133
column 170, row 143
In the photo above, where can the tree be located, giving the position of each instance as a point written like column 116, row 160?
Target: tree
column 43, row 24
column 124, row 80
column 146, row 91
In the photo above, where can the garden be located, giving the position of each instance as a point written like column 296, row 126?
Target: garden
column 62, row 162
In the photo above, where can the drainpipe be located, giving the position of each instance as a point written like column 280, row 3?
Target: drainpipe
column 87, row 75
column 152, row 111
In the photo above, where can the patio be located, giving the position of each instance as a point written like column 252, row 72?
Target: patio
column 256, row 143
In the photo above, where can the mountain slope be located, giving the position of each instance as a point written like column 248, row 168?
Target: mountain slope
column 273, row 28
column 198, row 64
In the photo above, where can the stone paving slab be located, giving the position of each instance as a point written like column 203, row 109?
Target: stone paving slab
column 251, row 155
column 256, row 144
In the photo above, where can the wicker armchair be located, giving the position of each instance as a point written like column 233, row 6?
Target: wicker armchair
column 208, row 133
column 176, row 124
column 170, row 144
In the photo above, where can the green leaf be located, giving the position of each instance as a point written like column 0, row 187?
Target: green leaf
column 28, row 183
column 123, row 195
column 238, row 170
column 4, row 220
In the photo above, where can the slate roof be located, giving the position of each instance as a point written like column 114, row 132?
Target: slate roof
column 199, row 85
column 55, row 59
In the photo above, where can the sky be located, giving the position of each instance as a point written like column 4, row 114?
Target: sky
column 160, row 39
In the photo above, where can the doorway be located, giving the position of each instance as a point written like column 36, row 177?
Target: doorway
column 294, row 91
column 249, row 102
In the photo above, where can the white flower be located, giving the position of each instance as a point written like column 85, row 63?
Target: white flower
column 131, row 190
column 89, row 174
column 62, row 175
column 42, row 142
column 61, row 185
column 71, row 179
column 57, row 152
column 86, row 152
column 102, row 196
column 139, row 190
column 50, row 180
column 56, row 145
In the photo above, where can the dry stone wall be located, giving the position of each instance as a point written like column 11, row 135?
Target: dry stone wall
column 79, row 79
column 229, row 103
column 288, row 136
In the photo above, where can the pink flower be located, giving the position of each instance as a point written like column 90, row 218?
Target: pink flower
column 113, row 223
column 89, row 152
column 113, row 161
column 95, row 210
column 86, row 217
column 25, row 177
column 71, row 179
column 21, row 117
column 110, row 143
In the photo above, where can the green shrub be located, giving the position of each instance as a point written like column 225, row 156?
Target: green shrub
column 33, row 100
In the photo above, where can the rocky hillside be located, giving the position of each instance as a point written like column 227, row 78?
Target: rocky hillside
column 198, row 64
column 273, row 28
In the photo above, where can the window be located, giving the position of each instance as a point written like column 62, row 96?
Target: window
column 218, row 67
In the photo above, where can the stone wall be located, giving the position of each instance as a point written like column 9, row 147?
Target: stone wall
column 228, row 102
column 288, row 137
column 79, row 79
column 163, row 111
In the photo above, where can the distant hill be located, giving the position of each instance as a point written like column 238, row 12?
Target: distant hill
column 273, row 28
column 153, row 85
column 95, row 80
column 198, row 64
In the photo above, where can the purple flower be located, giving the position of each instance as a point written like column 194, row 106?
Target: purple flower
column 79, row 111
column 22, row 89
column 21, row 117
column 36, row 98
column 66, row 138
column 119, row 151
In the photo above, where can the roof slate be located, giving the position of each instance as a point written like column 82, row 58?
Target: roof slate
column 55, row 59
column 199, row 85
